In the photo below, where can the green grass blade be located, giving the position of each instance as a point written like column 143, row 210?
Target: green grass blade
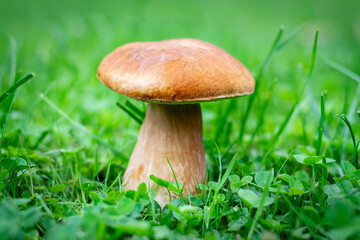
column 289, row 115
column 353, row 76
column 166, row 184
column 261, row 115
column 44, row 134
column 83, row 128
column 107, row 174
column 348, row 124
column 4, row 118
column 313, row 55
column 176, row 181
column 16, row 85
column 260, row 70
column 127, row 110
column 311, row 225
column 152, row 202
column 4, row 122
column 227, row 172
column 218, row 160
column 116, row 180
column 222, row 121
column 282, row 127
column 135, row 109
column 43, row 204
column 260, row 209
column 321, row 124
column 292, row 35
column 259, row 73
column 13, row 57
column 341, row 69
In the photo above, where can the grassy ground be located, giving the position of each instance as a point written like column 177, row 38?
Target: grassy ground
column 283, row 163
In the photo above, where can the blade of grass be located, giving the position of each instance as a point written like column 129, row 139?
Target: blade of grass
column 260, row 208
column 227, row 172
column 261, row 115
column 96, row 165
column 341, row 69
column 116, row 180
column 43, row 204
column 176, row 181
column 44, row 134
column 311, row 225
column 127, row 110
column 107, row 175
column 4, row 125
column 78, row 177
column 218, row 160
column 221, row 123
column 259, row 73
column 83, row 128
column 323, row 174
column 351, row 117
column 287, row 118
column 135, row 109
column 260, row 70
column 16, row 85
column 348, row 124
column 152, row 202
column 321, row 124
column 219, row 185
column 292, row 35
column 4, row 119
column 353, row 76
column 13, row 57
column 172, row 170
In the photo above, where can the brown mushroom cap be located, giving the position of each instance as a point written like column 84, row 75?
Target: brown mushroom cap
column 175, row 71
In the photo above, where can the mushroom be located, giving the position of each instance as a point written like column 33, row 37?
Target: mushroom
column 173, row 76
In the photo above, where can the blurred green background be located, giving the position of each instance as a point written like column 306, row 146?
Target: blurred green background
column 67, row 135
column 63, row 42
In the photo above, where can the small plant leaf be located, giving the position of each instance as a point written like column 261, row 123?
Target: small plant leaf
column 332, row 190
column 261, row 178
column 311, row 160
column 57, row 188
column 166, row 184
column 243, row 215
column 125, row 206
column 348, row 168
column 247, row 179
column 345, row 186
column 251, row 199
column 296, row 191
column 234, row 178
column 338, row 214
column 31, row 216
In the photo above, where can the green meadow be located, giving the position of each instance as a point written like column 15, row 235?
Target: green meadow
column 282, row 163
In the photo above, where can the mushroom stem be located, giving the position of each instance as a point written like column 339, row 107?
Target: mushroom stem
column 173, row 132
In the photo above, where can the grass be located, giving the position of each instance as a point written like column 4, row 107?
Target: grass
column 281, row 163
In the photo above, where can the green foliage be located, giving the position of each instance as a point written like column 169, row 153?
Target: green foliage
column 282, row 167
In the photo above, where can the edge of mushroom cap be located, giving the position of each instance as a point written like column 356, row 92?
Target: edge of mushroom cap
column 112, row 77
column 191, row 101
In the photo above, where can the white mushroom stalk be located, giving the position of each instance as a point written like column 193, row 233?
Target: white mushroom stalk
column 173, row 132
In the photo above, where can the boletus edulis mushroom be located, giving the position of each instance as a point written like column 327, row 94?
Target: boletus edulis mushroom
column 173, row 76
